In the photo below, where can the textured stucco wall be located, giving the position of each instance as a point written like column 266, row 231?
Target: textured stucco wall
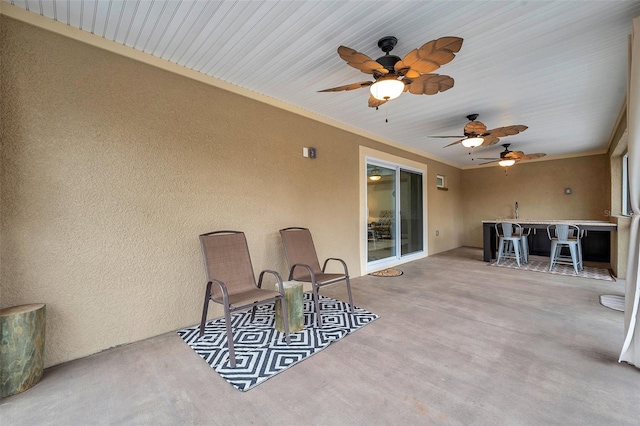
column 111, row 169
column 445, row 209
column 538, row 187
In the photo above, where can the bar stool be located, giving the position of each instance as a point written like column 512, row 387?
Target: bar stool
column 580, row 234
column 565, row 235
column 525, row 244
column 509, row 240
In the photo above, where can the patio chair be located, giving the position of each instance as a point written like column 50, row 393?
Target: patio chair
column 304, row 266
column 231, row 281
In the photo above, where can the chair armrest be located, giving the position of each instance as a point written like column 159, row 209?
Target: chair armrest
column 223, row 290
column 277, row 275
column 302, row 265
column 344, row 265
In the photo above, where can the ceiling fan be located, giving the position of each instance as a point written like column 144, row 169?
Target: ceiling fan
column 509, row 158
column 393, row 75
column 476, row 133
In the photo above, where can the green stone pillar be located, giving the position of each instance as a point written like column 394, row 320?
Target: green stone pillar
column 22, row 347
column 295, row 307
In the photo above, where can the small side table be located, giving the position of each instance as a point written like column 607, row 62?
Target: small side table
column 295, row 306
column 22, row 350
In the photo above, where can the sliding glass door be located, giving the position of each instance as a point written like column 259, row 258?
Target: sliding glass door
column 395, row 216
column 381, row 203
column 411, row 214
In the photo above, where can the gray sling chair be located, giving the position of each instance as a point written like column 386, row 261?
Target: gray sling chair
column 232, row 283
column 304, row 266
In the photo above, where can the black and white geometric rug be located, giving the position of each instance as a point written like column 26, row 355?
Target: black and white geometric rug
column 261, row 351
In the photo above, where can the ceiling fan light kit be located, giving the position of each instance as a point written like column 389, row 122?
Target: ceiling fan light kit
column 507, row 163
column 387, row 88
column 375, row 174
column 472, row 142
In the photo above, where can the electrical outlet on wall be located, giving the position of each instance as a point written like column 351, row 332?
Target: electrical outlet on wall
column 305, row 152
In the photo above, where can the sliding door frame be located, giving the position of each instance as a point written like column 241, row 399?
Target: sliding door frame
column 368, row 155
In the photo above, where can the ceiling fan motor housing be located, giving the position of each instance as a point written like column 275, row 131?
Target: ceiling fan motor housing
column 388, row 61
column 506, row 151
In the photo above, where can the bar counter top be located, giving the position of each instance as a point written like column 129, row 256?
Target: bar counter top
column 584, row 222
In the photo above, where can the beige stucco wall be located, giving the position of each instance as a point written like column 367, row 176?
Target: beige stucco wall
column 445, row 209
column 111, row 168
column 538, row 187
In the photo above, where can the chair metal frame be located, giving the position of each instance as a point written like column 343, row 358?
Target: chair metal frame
column 565, row 235
column 318, row 277
column 257, row 293
column 524, row 241
column 509, row 241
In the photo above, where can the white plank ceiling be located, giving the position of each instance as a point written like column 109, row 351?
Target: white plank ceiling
column 559, row 67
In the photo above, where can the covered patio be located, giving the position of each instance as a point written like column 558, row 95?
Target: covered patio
column 457, row 342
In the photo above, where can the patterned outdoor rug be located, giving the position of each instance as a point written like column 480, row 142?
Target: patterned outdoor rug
column 261, row 351
column 612, row 302
column 389, row 272
column 543, row 266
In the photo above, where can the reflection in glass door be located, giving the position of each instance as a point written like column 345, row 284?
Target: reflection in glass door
column 393, row 221
column 381, row 203
column 411, row 214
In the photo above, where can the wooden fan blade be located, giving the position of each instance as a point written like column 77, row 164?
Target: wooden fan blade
column 532, row 156
column 489, row 140
column 431, row 56
column 416, row 66
column 403, row 66
column 514, row 155
column 489, row 162
column 360, row 61
column 351, row 86
column 476, row 128
column 429, row 84
column 501, row 132
column 411, row 73
column 374, row 102
column 453, row 44
column 454, row 143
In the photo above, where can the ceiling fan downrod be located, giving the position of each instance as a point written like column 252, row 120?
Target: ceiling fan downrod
column 386, row 44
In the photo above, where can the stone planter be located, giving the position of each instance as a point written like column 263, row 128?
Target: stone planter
column 22, row 347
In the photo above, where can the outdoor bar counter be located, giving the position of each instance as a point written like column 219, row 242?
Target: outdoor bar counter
column 596, row 244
